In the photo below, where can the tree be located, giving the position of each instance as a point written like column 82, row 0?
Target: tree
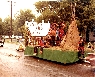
column 59, row 11
column 48, row 9
column 25, row 15
column 22, row 30
column 6, row 26
column 47, row 15
column 1, row 25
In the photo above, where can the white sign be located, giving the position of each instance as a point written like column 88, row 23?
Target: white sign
column 40, row 29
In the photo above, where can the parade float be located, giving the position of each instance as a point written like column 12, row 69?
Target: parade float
column 67, row 52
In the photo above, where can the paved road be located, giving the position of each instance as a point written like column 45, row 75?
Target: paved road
column 15, row 64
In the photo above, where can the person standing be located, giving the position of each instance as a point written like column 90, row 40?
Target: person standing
column 53, row 35
column 81, row 48
column 57, row 36
column 26, row 41
column 61, row 33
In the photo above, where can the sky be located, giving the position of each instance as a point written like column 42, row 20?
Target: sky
column 5, row 6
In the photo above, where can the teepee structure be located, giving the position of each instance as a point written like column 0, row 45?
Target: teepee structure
column 71, row 39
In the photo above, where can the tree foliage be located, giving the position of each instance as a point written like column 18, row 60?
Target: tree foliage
column 1, row 29
column 54, row 11
column 25, row 15
column 17, row 23
column 7, row 26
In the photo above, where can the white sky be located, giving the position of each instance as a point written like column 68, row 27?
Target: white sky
column 5, row 6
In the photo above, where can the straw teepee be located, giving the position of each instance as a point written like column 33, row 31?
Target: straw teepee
column 71, row 39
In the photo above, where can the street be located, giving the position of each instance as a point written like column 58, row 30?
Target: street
column 14, row 64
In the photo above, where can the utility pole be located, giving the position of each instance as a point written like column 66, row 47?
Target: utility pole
column 11, row 21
